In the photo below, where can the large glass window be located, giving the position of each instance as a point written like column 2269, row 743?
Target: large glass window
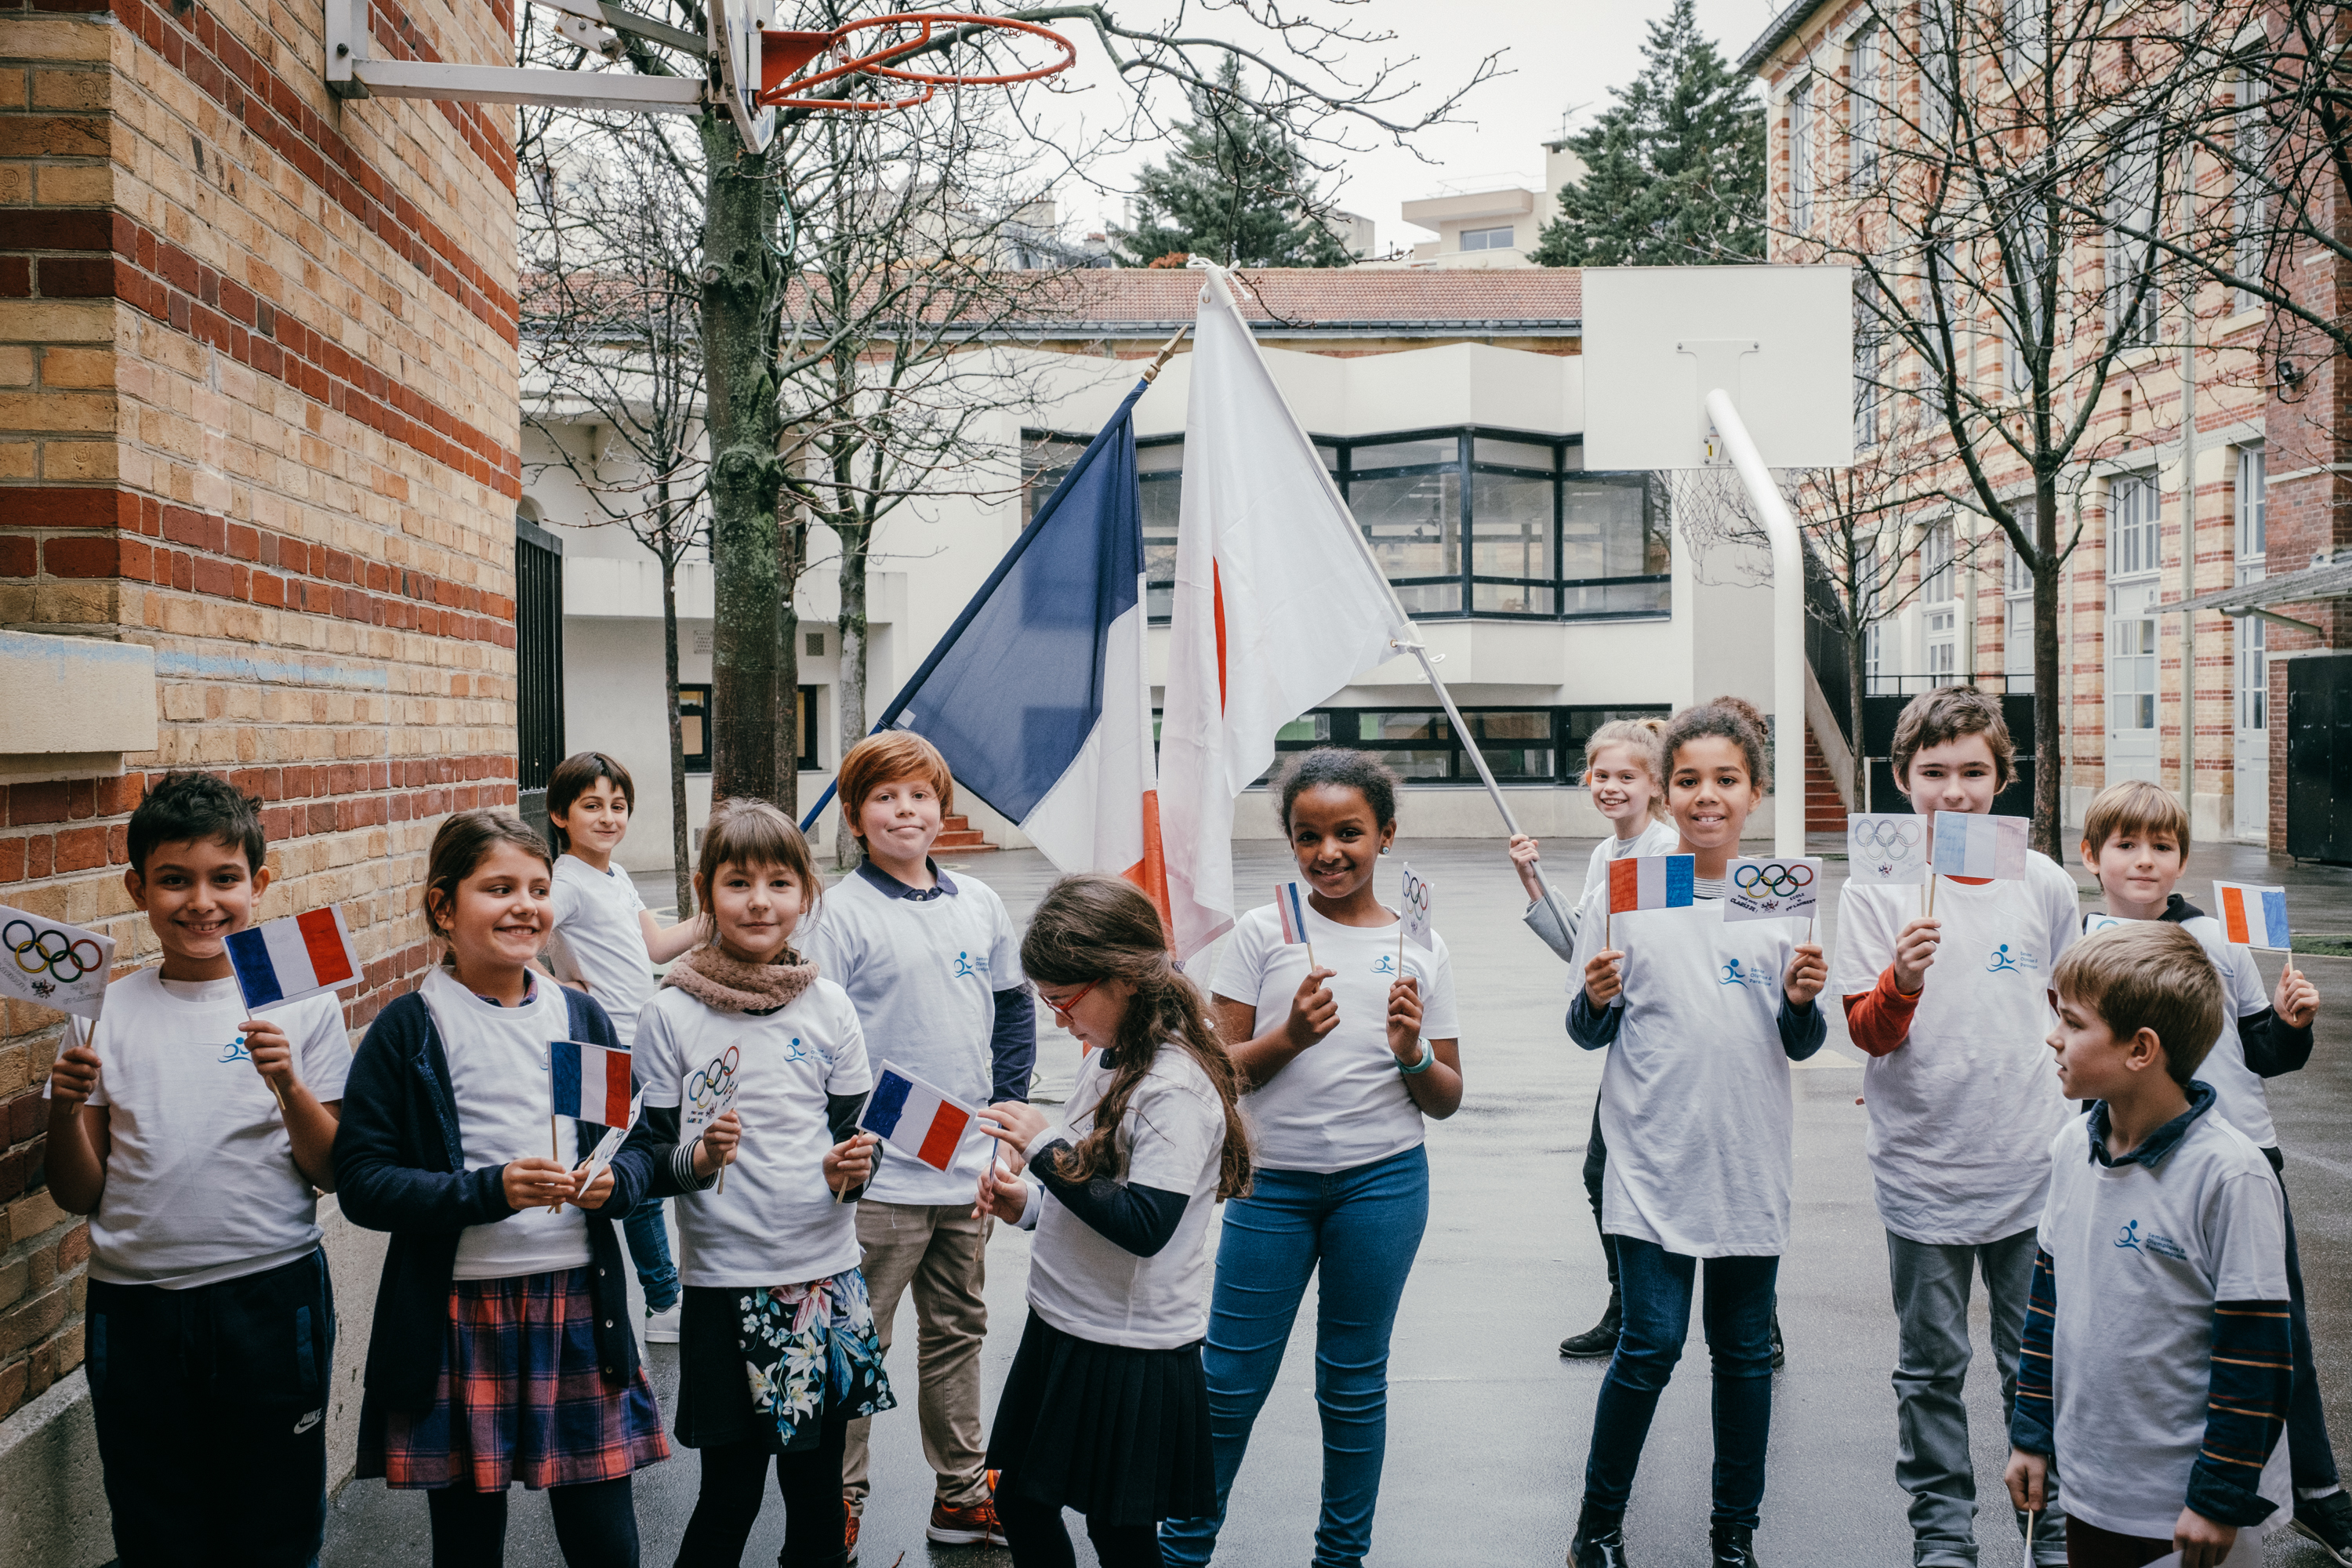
column 2253, row 565
column 1462, row 522
column 1521, row 745
column 1801, row 156
column 2132, row 545
column 1487, row 239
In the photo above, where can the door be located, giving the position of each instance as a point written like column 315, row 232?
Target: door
column 539, row 666
column 2132, row 751
column 2319, row 759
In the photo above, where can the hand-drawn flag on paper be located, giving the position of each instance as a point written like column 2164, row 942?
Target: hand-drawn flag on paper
column 912, row 1117
column 1889, row 848
column 610, row 1144
column 1651, row 882
column 52, row 964
column 2252, row 915
column 1772, row 889
column 1290, row 904
column 280, row 960
column 1416, row 899
column 2095, row 923
column 708, row 1093
column 591, row 1082
column 1969, row 844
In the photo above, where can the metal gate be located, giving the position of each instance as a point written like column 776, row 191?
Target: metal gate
column 2319, row 758
column 539, row 666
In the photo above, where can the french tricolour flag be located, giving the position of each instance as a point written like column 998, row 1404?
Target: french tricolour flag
column 1651, row 882
column 1290, row 904
column 910, row 1115
column 278, row 960
column 591, row 1082
column 1038, row 695
column 1969, row 843
column 2251, row 915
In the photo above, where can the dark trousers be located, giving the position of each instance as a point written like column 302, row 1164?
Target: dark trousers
column 595, row 1525
column 1040, row 1540
column 734, row 1478
column 2310, row 1453
column 189, row 1388
column 1596, row 1163
column 2088, row 1546
column 1738, row 1314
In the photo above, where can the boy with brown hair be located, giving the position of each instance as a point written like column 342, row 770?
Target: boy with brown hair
column 2157, row 1367
column 933, row 966
column 2135, row 840
column 1961, row 1103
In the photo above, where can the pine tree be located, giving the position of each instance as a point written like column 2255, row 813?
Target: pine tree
column 1675, row 168
column 1235, row 191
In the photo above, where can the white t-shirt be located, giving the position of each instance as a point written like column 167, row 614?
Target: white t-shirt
column 1658, row 838
column 923, row 974
column 2139, row 1256
column 497, row 1071
column 602, row 940
column 201, row 1184
column 777, row 1223
column 1172, row 1138
column 1341, row 1103
column 2239, row 1094
column 1960, row 1114
column 1694, row 1097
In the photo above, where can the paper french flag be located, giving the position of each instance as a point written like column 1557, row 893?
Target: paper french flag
column 1651, row 882
column 591, row 1082
column 1290, row 904
column 1970, row 844
column 278, row 960
column 2253, row 916
column 911, row 1116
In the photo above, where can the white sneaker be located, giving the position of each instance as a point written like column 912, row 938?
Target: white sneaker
column 661, row 1328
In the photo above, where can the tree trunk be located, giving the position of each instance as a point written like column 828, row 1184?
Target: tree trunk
column 791, row 549
column 2049, row 763
column 681, row 868
column 1857, row 634
column 742, row 283
column 851, row 692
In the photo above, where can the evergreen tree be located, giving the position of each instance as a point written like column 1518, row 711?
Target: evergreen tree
column 1675, row 168
column 1235, row 191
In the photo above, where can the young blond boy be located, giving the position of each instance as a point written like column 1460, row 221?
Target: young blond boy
column 933, row 965
column 2156, row 1366
column 1961, row 1103
column 2135, row 840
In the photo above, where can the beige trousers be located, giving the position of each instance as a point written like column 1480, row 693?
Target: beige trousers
column 940, row 1250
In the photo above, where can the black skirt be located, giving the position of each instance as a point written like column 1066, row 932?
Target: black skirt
column 1119, row 1435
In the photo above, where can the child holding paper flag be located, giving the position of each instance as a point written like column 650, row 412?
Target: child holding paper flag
column 1705, row 1016
column 745, row 1027
column 501, row 1350
column 205, row 1277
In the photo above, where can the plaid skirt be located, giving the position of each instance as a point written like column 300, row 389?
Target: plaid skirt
column 522, row 1396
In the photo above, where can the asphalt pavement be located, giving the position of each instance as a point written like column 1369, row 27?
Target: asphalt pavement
column 1488, row 1426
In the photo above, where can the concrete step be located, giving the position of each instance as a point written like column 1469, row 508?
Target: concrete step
column 1824, row 807
column 957, row 834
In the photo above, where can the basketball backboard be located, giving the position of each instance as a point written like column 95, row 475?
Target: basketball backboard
column 1657, row 340
column 735, row 26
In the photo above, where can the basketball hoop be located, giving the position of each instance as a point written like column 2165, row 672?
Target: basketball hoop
column 782, row 53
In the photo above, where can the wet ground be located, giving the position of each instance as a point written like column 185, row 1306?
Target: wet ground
column 1488, row 1426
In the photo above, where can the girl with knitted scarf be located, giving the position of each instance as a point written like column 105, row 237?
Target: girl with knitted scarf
column 777, row 1351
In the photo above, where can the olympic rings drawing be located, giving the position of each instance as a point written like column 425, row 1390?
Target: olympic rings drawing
column 710, row 1081
column 1885, row 834
column 33, row 943
column 1773, row 876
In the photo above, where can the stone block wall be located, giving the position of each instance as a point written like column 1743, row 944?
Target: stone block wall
column 257, row 411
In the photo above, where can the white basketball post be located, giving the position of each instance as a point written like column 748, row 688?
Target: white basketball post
column 1698, row 367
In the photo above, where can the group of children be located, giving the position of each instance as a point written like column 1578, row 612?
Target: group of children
column 2146, row 1306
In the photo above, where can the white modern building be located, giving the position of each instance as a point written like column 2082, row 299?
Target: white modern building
column 1449, row 406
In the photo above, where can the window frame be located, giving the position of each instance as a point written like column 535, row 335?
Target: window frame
column 1487, row 240
column 696, row 695
column 1562, row 737
column 1801, row 157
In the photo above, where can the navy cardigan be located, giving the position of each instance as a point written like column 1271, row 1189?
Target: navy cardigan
column 399, row 1167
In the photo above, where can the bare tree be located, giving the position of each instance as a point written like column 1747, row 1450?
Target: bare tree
column 611, row 339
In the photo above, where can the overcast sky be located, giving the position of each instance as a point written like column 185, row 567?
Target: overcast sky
column 1562, row 57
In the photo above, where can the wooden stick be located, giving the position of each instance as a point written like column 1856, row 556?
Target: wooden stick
column 2029, row 1518
column 555, row 1152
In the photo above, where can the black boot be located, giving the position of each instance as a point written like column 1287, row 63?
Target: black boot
column 1600, row 1539
column 1601, row 1339
column 1735, row 1545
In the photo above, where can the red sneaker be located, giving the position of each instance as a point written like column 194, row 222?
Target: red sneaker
column 849, row 1534
column 973, row 1525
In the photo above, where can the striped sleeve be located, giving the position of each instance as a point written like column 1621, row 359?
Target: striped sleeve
column 2033, row 1417
column 2246, row 1411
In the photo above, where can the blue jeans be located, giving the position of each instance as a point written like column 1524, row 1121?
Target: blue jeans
column 648, row 1241
column 1363, row 1226
column 1658, row 1286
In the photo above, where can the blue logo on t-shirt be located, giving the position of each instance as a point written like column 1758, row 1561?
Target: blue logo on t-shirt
column 969, row 968
column 1733, row 974
column 235, row 1051
column 2129, row 1236
column 1384, row 964
column 2005, row 959
column 793, row 1053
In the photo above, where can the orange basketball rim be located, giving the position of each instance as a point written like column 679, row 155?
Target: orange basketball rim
column 782, row 53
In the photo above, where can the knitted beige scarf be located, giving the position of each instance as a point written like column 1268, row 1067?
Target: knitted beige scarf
column 730, row 986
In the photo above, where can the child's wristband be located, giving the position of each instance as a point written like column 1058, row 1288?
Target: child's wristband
column 1428, row 1055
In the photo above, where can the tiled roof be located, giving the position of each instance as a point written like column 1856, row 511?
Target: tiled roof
column 1782, row 29
column 1534, row 301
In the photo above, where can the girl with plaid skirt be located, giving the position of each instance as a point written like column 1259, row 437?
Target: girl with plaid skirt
column 1106, row 1409
column 777, row 1350
column 502, row 1347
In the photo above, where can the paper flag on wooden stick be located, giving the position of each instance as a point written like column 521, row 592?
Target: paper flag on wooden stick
column 1970, row 844
column 2251, row 915
column 281, row 960
column 1772, row 889
column 1889, row 848
column 52, row 964
column 1416, row 898
column 610, row 1144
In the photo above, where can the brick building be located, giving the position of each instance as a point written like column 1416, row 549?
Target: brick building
column 257, row 487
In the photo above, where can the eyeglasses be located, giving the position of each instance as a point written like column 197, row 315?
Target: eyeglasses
column 1062, row 1009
